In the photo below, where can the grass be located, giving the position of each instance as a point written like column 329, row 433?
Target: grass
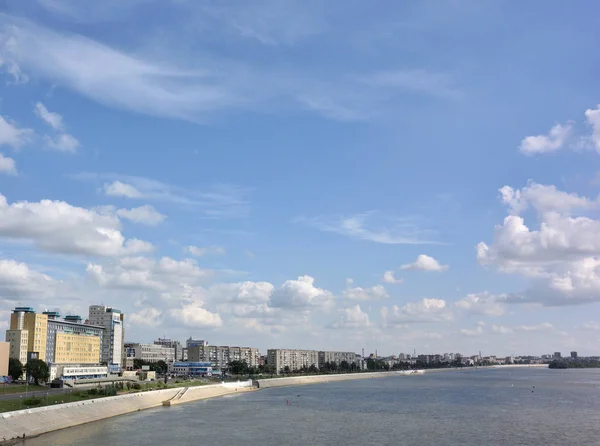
column 19, row 388
column 18, row 403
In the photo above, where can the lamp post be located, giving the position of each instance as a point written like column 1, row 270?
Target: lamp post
column 20, row 402
column 47, row 398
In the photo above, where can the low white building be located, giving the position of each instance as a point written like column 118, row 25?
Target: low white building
column 77, row 372
column 148, row 353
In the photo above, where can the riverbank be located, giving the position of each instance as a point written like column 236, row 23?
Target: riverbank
column 16, row 425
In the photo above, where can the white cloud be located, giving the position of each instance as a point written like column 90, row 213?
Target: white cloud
column 220, row 201
column 200, row 252
column 481, row 303
column 388, row 277
column 63, row 143
column 18, row 281
column 593, row 119
column 552, row 142
column 112, row 76
column 471, row 332
column 424, row 310
column 367, row 227
column 8, row 165
column 193, row 315
column 352, row 318
column 501, row 329
column 376, row 292
column 54, row 120
column 592, row 325
column 148, row 317
column 13, row 136
column 425, row 263
column 146, row 215
column 544, row 199
column 300, row 293
column 119, row 189
column 57, row 226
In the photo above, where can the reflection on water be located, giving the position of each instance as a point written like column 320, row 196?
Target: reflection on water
column 475, row 407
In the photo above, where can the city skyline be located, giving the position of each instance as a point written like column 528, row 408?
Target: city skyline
column 304, row 175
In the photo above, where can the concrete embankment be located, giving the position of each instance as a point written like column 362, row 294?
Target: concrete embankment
column 299, row 380
column 34, row 422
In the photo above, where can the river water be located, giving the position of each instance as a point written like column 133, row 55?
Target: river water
column 527, row 406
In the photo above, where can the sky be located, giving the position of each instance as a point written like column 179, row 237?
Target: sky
column 405, row 176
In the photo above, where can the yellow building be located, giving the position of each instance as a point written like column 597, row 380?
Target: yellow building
column 76, row 349
column 18, row 341
column 36, row 325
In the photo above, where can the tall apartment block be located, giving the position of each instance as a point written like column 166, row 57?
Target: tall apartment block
column 337, row 357
column 113, row 341
column 294, row 359
column 27, row 334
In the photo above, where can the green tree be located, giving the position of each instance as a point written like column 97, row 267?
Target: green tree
column 38, row 370
column 15, row 368
column 313, row 369
column 161, row 367
column 138, row 363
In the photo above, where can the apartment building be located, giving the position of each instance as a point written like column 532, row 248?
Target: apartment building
column 175, row 345
column 69, row 341
column 27, row 328
column 113, row 341
column 294, row 359
column 221, row 356
column 337, row 357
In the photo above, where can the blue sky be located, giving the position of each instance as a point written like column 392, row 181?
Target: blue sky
column 419, row 175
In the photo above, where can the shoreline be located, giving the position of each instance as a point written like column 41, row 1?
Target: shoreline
column 13, row 425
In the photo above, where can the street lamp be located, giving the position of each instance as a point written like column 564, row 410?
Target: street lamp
column 20, row 402
column 47, row 398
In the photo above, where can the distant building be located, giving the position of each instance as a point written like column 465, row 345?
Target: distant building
column 77, row 372
column 113, row 342
column 221, row 356
column 176, row 345
column 573, row 355
column 192, row 369
column 195, row 343
column 294, row 359
column 337, row 357
column 148, row 353
column 4, row 356
column 557, row 355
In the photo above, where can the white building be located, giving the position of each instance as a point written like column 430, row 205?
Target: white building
column 337, row 357
column 150, row 353
column 294, row 359
column 113, row 345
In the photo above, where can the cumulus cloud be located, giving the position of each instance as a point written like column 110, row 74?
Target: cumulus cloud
column 300, row 293
column 13, row 136
column 57, row 226
column 146, row 215
column 552, row 142
column 560, row 256
column 148, row 317
column 424, row 310
column 193, row 315
column 425, row 263
column 8, row 165
column 18, row 281
column 478, row 331
column 480, row 304
column 389, row 277
column 376, row 292
column 593, row 119
column 202, row 251
column 352, row 318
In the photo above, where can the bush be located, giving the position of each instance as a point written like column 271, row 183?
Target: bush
column 136, row 386
column 128, row 384
column 32, row 402
column 77, row 393
column 92, row 392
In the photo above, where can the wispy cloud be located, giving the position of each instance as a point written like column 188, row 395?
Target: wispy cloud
column 372, row 226
column 136, row 81
column 220, row 201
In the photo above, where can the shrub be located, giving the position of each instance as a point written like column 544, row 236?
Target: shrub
column 92, row 391
column 136, row 386
column 128, row 385
column 32, row 402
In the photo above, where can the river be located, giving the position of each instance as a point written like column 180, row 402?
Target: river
column 527, row 406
